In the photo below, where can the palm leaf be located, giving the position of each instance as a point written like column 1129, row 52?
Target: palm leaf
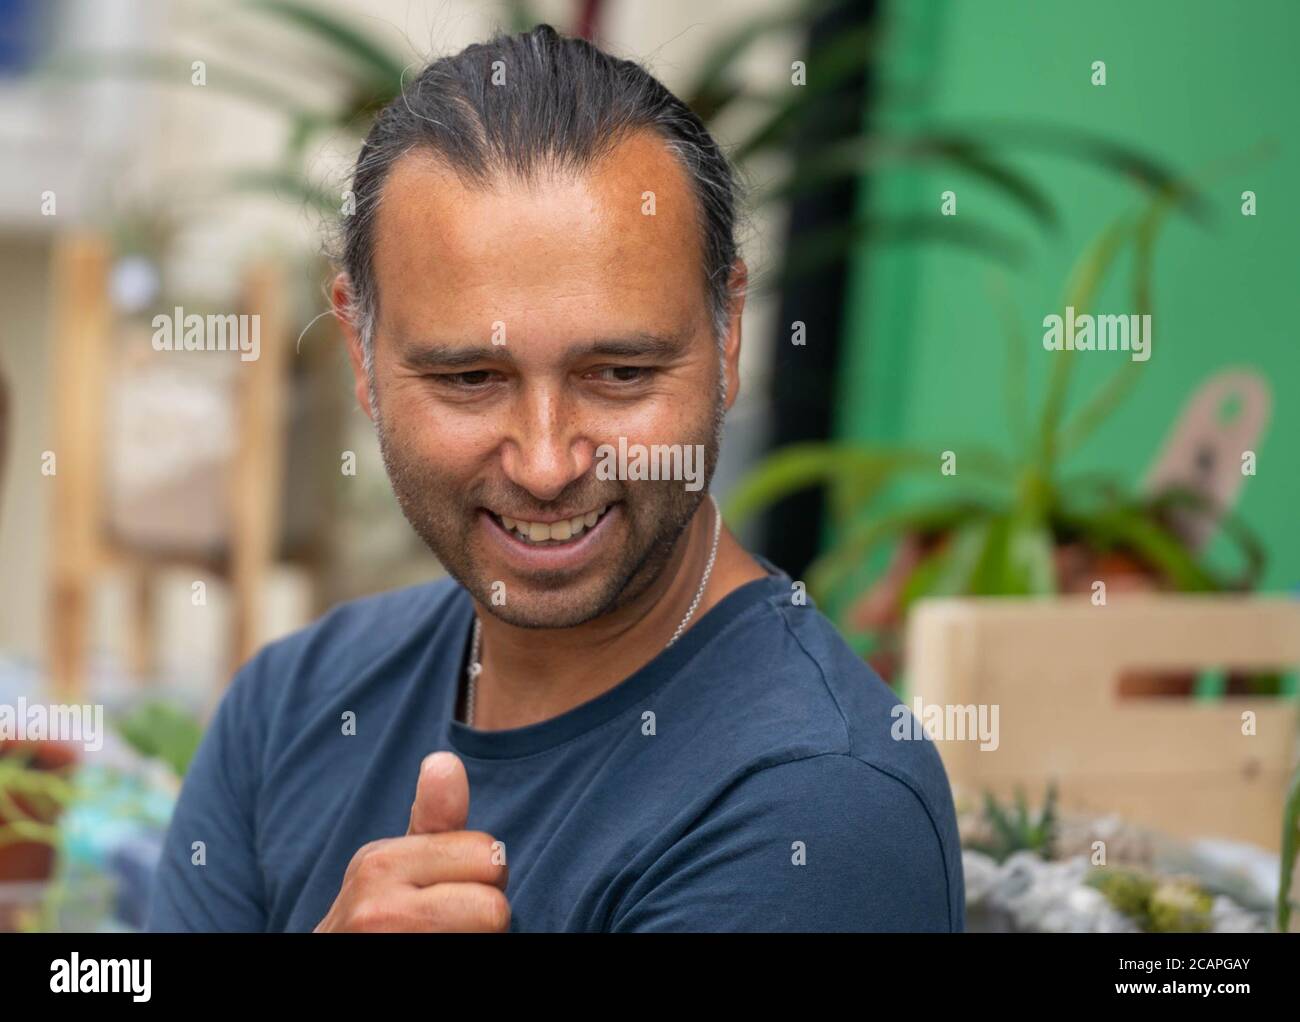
column 829, row 66
column 1081, row 144
column 373, row 60
column 855, row 156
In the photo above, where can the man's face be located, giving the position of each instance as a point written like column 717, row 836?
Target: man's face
column 519, row 330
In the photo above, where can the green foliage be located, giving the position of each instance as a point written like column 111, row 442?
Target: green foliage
column 1001, row 541
column 31, row 798
column 1157, row 905
column 1290, row 853
column 160, row 730
column 1019, row 829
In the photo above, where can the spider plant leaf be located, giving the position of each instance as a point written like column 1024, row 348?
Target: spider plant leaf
column 1133, row 529
column 1290, row 853
column 1229, row 523
column 1015, row 384
column 707, row 106
column 855, row 156
column 828, row 572
column 832, row 64
column 1079, row 143
column 949, row 570
column 799, row 466
column 1028, row 566
column 827, row 246
column 717, row 68
column 1100, row 407
column 1085, row 279
column 374, row 61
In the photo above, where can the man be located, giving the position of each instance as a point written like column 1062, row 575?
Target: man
column 614, row 718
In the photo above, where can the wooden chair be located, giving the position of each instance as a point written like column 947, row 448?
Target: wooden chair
column 83, row 547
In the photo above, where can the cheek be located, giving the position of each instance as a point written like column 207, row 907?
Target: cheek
column 434, row 433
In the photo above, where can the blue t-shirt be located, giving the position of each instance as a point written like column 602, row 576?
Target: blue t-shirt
column 745, row 779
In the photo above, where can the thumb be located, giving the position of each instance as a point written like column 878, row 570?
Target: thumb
column 441, row 795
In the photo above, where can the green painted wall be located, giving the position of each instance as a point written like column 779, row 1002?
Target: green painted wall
column 1197, row 83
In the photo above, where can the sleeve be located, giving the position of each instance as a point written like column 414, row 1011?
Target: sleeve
column 208, row 878
column 828, row 843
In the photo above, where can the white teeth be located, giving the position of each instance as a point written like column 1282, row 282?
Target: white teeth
column 540, row 532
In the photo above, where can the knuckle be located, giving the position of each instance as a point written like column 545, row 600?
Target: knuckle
column 372, row 861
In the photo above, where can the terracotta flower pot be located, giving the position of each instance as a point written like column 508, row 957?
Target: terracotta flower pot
column 880, row 608
column 30, row 861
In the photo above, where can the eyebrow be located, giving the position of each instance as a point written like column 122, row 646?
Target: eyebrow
column 441, row 355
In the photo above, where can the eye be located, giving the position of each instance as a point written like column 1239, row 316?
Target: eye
column 467, row 380
column 624, row 374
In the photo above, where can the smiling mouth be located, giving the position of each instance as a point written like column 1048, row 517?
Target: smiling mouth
column 544, row 534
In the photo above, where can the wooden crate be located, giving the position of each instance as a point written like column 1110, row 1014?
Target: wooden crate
column 1052, row 669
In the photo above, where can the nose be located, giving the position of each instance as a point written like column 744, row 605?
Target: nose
column 546, row 449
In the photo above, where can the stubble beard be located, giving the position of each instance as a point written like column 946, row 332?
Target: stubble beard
column 655, row 514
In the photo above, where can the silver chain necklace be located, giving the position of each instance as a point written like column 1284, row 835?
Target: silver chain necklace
column 475, row 667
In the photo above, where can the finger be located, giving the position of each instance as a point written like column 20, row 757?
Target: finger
column 422, row 860
column 463, row 908
column 441, row 796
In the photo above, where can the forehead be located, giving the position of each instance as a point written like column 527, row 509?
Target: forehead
column 615, row 247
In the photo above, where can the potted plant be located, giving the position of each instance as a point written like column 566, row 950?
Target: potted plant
column 1025, row 528
column 35, row 788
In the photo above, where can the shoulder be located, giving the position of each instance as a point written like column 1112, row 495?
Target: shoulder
column 808, row 696
column 803, row 740
column 822, row 843
column 349, row 642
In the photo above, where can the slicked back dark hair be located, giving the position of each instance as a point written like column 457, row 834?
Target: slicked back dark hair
column 519, row 105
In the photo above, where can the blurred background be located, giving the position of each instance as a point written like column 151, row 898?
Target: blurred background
column 1088, row 559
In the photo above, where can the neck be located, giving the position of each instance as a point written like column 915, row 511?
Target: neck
column 530, row 675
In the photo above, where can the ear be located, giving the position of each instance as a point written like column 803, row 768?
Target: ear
column 731, row 346
column 341, row 301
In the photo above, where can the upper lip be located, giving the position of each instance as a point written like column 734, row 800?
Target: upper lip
column 549, row 518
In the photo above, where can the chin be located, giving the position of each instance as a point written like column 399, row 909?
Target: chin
column 555, row 610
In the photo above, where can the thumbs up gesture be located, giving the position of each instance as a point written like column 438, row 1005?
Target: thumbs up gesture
column 438, row 877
